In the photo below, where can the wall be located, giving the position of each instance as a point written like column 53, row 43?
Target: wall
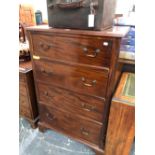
column 38, row 5
column 124, row 6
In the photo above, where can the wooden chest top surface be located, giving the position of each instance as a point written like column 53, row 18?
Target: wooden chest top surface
column 24, row 67
column 115, row 31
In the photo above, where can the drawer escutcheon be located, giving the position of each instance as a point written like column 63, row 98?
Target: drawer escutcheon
column 88, row 107
column 50, row 117
column 84, row 131
column 44, row 46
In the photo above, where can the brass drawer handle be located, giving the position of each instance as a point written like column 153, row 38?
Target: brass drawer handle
column 84, row 131
column 88, row 84
column 45, row 71
column 36, row 57
column 50, row 117
column 88, row 107
column 96, row 51
column 44, row 46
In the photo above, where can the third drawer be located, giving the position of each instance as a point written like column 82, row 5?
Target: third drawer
column 78, row 104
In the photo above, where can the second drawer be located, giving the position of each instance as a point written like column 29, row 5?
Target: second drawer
column 86, row 80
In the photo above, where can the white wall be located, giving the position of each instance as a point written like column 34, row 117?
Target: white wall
column 124, row 6
column 38, row 5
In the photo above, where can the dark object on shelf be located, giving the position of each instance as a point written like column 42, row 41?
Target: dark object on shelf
column 27, row 97
column 24, row 58
column 81, row 14
column 121, row 127
column 75, row 73
column 24, row 55
column 38, row 16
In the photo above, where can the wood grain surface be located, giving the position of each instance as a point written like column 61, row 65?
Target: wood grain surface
column 74, row 84
column 67, row 122
column 85, row 50
column 121, row 125
column 78, row 104
column 27, row 97
column 86, row 80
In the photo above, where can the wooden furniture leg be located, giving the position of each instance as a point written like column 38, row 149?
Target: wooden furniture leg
column 41, row 127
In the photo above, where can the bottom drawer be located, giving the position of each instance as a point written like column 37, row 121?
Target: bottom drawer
column 71, row 125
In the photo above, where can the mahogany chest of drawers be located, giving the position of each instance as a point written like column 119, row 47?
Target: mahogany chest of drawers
column 75, row 73
column 27, row 96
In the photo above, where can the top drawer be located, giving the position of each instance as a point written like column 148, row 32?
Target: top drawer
column 87, row 50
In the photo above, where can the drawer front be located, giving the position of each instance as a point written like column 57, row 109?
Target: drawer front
column 70, row 124
column 24, row 112
column 22, row 77
column 77, row 104
column 79, row 79
column 23, row 98
column 93, row 51
column 24, row 106
column 22, row 88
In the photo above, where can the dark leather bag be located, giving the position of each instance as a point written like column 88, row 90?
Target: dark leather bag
column 75, row 14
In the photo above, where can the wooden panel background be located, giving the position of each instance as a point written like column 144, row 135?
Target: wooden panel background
column 26, row 15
